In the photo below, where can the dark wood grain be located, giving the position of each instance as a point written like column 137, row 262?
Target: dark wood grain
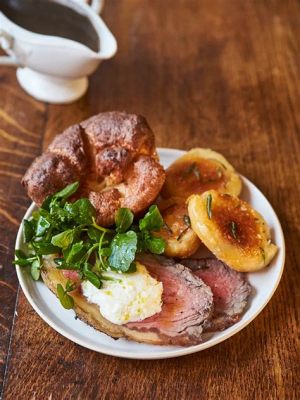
column 219, row 74
column 22, row 121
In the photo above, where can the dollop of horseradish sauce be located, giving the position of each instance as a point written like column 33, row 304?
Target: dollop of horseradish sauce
column 126, row 297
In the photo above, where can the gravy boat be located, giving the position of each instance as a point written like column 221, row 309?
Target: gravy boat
column 52, row 68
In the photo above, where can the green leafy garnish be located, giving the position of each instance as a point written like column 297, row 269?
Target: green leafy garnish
column 182, row 233
column 22, row 259
column 193, row 169
column 187, row 220
column 196, row 172
column 233, row 229
column 124, row 218
column 28, row 231
column 81, row 211
column 42, row 225
column 91, row 276
column 67, row 191
column 94, row 234
column 65, row 299
column 36, row 269
column 44, row 248
column 263, row 254
column 76, row 252
column 167, row 228
column 32, row 261
column 155, row 244
column 63, row 239
column 152, row 221
column 123, row 249
column 69, row 231
column 208, row 206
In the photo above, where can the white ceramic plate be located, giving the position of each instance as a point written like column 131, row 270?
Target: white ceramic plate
column 264, row 284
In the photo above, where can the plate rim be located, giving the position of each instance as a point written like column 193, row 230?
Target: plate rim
column 155, row 355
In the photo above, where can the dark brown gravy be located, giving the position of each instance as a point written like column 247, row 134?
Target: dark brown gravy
column 50, row 18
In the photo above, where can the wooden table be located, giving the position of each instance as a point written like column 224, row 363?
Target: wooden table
column 219, row 74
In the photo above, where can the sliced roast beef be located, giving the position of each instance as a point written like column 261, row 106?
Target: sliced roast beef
column 230, row 291
column 187, row 303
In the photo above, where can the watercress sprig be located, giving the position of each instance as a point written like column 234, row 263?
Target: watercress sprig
column 69, row 231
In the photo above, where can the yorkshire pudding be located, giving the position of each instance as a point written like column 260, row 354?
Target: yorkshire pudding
column 113, row 156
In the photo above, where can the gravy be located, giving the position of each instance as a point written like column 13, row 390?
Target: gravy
column 50, row 18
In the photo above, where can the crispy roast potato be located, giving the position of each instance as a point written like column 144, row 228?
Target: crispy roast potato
column 89, row 312
column 232, row 230
column 181, row 240
column 195, row 172
column 200, row 170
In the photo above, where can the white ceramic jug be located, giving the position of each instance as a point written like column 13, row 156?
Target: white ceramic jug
column 52, row 68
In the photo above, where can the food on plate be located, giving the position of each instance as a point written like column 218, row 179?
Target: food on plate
column 230, row 291
column 111, row 280
column 200, row 170
column 186, row 304
column 195, row 172
column 69, row 230
column 97, row 238
column 130, row 297
column 232, row 230
column 180, row 240
column 112, row 154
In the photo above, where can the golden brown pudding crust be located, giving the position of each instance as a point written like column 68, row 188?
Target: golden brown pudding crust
column 48, row 174
column 115, row 128
column 112, row 154
column 70, row 145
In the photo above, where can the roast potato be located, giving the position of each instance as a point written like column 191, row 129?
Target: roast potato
column 200, row 170
column 181, row 240
column 232, row 230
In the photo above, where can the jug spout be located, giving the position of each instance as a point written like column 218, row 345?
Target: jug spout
column 108, row 46
column 107, row 42
column 56, row 64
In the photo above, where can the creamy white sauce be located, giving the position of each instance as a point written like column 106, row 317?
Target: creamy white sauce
column 128, row 297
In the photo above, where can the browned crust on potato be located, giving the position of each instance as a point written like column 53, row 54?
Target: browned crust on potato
column 181, row 241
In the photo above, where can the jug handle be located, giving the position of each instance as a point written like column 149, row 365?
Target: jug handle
column 6, row 42
column 97, row 5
